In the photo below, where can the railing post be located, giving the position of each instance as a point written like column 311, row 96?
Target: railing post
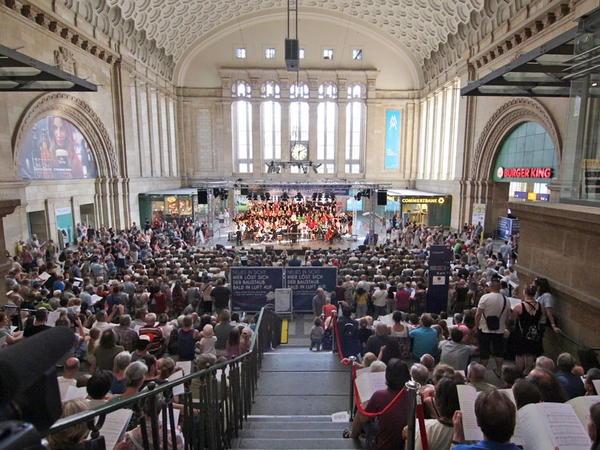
column 412, row 389
column 352, row 362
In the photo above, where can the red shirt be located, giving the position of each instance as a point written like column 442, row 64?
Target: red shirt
column 328, row 310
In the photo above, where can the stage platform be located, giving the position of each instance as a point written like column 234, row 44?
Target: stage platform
column 345, row 242
column 300, row 246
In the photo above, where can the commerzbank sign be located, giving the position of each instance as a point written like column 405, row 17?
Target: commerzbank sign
column 422, row 200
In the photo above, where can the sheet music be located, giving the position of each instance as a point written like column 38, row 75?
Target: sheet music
column 75, row 392
column 551, row 425
column 43, row 277
column 52, row 318
column 115, row 426
column 466, row 398
column 186, row 366
column 368, row 383
column 177, row 390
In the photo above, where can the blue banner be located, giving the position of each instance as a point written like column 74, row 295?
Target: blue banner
column 439, row 276
column 392, row 139
column 254, row 287
column 506, row 227
column 304, row 282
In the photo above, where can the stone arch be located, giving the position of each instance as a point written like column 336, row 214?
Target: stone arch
column 502, row 122
column 80, row 114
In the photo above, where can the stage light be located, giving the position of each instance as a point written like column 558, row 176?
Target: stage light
column 315, row 167
column 367, row 193
column 305, row 169
column 299, row 196
column 267, row 196
column 284, row 197
column 315, row 196
column 332, row 198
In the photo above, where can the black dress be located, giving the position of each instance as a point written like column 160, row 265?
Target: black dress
column 528, row 338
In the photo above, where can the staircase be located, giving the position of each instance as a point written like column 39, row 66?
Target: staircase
column 294, row 432
column 298, row 391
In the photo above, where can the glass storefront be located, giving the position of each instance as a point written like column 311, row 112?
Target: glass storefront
column 581, row 160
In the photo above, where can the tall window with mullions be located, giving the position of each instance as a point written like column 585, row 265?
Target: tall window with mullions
column 326, row 127
column 355, row 129
column 241, row 126
column 270, row 122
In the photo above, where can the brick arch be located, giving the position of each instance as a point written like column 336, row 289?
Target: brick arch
column 81, row 115
column 502, row 122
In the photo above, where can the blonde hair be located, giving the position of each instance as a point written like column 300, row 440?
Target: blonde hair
column 73, row 435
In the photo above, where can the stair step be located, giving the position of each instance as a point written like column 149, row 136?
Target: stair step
column 306, row 433
column 276, row 425
column 297, row 443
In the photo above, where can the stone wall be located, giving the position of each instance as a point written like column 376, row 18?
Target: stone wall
column 560, row 242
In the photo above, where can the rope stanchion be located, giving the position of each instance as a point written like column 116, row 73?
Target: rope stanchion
column 413, row 388
column 421, row 418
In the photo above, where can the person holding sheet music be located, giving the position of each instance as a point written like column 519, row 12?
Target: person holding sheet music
column 133, row 440
column 496, row 416
column 387, row 436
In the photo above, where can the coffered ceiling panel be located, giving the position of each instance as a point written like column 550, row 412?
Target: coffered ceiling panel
column 419, row 25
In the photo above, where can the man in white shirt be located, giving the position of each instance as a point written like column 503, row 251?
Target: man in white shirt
column 68, row 378
column 490, row 319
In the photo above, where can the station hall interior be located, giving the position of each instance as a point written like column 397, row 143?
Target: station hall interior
column 118, row 111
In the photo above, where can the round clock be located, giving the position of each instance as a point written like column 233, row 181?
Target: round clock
column 299, row 152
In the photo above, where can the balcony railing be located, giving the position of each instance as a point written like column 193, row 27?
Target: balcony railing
column 215, row 403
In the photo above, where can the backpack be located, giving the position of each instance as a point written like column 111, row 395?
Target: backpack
column 349, row 330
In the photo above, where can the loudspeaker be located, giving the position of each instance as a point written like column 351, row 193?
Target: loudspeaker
column 244, row 191
column 292, row 60
column 202, row 197
column 381, row 198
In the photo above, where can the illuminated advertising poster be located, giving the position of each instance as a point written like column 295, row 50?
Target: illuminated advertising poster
column 54, row 149
column 392, row 139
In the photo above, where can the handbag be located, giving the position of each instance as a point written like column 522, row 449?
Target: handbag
column 493, row 322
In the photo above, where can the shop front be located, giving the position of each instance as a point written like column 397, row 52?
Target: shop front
column 527, row 160
column 424, row 208
column 168, row 206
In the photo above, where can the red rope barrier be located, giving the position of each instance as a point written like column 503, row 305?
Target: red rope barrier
column 337, row 336
column 421, row 418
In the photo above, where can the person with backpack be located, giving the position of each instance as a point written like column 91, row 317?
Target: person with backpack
column 348, row 334
column 527, row 339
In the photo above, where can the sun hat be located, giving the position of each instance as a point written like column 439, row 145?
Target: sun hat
column 207, row 331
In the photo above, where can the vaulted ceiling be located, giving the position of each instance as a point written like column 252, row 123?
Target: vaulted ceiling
column 163, row 31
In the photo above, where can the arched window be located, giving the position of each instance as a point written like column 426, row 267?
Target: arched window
column 270, row 121
column 241, row 126
column 355, row 128
column 326, row 127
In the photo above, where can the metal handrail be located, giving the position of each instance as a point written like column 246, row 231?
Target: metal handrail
column 213, row 411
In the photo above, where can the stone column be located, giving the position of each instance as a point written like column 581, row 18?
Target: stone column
column 6, row 207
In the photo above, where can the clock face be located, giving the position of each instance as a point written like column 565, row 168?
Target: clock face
column 299, row 152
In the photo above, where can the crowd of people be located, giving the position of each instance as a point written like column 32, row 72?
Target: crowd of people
column 141, row 299
column 265, row 220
